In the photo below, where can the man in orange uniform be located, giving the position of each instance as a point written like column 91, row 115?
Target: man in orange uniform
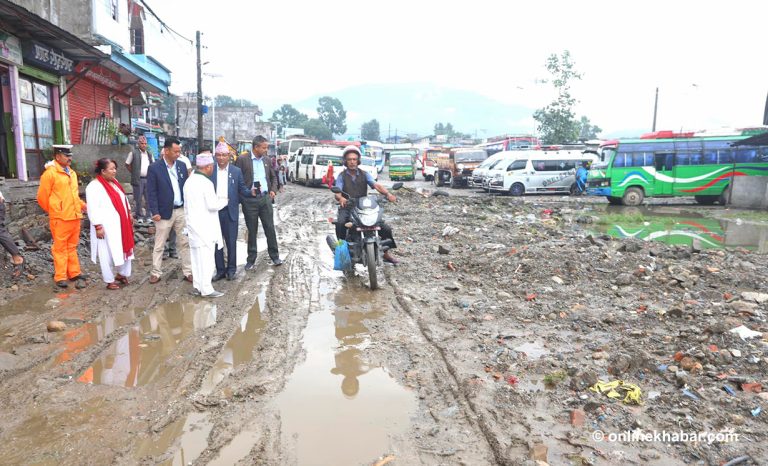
column 58, row 195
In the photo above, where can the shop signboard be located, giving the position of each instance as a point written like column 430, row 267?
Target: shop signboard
column 10, row 49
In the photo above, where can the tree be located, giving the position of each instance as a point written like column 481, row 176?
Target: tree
column 587, row 130
column 439, row 129
column 317, row 129
column 332, row 114
column 288, row 117
column 227, row 101
column 557, row 122
column 370, row 130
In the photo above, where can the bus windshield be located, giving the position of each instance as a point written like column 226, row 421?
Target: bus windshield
column 471, row 156
column 400, row 160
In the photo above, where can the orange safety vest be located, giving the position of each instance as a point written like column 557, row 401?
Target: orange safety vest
column 58, row 193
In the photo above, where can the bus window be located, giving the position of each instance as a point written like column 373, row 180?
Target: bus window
column 283, row 148
column 618, row 161
column 746, row 155
column 725, row 156
column 710, row 156
column 682, row 159
column 763, row 157
column 696, row 158
column 638, row 159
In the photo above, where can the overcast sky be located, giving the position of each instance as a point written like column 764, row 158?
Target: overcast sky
column 706, row 57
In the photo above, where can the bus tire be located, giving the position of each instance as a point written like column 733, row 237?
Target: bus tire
column 633, row 196
column 517, row 189
column 706, row 200
column 439, row 182
column 613, row 200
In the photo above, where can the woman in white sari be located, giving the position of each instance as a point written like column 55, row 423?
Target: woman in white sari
column 111, row 225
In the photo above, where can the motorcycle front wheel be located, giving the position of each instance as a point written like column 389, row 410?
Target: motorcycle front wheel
column 370, row 253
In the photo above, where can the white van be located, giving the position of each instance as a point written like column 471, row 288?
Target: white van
column 289, row 150
column 531, row 172
column 478, row 175
column 368, row 165
column 313, row 163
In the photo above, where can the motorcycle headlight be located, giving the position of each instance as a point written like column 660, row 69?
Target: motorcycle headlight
column 460, row 166
column 369, row 219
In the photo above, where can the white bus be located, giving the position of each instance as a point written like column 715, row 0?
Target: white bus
column 375, row 150
column 288, row 148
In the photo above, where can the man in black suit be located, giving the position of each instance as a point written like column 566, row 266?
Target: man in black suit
column 229, row 184
column 165, row 195
column 260, row 177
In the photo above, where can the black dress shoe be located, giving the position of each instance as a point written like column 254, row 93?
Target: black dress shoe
column 218, row 276
column 173, row 255
column 231, row 276
column 249, row 265
column 277, row 262
column 62, row 284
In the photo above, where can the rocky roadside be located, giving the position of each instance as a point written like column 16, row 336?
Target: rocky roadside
column 530, row 310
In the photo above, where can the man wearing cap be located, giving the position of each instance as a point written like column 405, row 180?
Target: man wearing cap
column 138, row 162
column 260, row 177
column 229, row 184
column 201, row 207
column 355, row 183
column 165, row 185
column 58, row 195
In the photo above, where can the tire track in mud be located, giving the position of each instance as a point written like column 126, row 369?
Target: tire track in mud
column 472, row 416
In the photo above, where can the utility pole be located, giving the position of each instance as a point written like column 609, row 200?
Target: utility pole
column 389, row 134
column 655, row 109
column 199, row 96
column 177, row 117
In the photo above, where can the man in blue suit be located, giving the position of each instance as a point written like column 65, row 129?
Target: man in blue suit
column 165, row 195
column 229, row 184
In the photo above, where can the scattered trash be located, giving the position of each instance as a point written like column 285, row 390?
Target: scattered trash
column 512, row 380
column 690, row 394
column 745, row 333
column 449, row 230
column 752, row 387
column 729, row 390
column 756, row 412
column 653, row 395
column 554, row 378
column 632, row 393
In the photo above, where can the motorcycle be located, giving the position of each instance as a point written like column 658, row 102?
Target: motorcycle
column 365, row 245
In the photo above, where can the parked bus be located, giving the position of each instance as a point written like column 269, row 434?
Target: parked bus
column 666, row 164
column 505, row 143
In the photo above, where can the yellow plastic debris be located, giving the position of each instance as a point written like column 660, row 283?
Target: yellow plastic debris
column 615, row 388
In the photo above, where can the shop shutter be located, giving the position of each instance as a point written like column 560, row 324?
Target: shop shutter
column 86, row 100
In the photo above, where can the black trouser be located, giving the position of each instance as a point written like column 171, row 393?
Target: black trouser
column 344, row 215
column 255, row 209
column 5, row 236
column 229, row 233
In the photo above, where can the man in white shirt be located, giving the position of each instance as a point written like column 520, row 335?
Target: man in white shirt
column 230, row 185
column 138, row 161
column 201, row 207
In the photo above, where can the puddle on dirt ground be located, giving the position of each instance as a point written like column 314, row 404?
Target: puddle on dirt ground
column 678, row 226
column 139, row 357
column 533, row 350
column 38, row 299
column 79, row 339
column 239, row 349
column 193, row 430
column 337, row 408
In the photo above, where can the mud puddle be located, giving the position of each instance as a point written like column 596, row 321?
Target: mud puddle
column 337, row 408
column 239, row 349
column 81, row 338
column 193, row 430
column 38, row 299
column 677, row 226
column 140, row 356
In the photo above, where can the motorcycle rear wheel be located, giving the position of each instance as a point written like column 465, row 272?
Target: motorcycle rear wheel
column 370, row 253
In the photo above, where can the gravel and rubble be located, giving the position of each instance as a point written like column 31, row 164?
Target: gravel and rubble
column 531, row 309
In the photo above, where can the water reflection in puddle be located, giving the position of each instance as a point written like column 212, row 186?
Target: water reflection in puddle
column 239, row 349
column 533, row 350
column 336, row 407
column 139, row 357
column 81, row 338
column 193, row 430
column 675, row 226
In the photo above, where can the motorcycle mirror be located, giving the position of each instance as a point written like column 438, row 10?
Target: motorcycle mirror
column 397, row 185
column 336, row 190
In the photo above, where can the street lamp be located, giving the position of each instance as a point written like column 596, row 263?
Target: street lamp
column 213, row 113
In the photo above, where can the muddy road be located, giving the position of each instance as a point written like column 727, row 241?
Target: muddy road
column 479, row 348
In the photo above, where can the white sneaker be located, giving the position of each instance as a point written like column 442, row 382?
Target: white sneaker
column 214, row 294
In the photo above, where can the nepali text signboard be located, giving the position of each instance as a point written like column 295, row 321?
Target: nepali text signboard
column 10, row 49
column 47, row 58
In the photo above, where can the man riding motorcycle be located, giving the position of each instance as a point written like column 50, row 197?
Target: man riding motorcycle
column 355, row 183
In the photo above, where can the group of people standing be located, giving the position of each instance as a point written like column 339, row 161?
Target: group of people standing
column 200, row 206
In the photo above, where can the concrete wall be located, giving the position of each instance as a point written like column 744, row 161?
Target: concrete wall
column 49, row 10
column 234, row 123
column 76, row 18
column 750, row 192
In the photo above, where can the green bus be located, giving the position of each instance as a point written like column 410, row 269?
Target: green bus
column 401, row 165
column 667, row 164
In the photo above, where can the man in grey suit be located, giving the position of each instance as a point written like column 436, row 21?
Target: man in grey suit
column 261, row 178
column 228, row 182
column 138, row 162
